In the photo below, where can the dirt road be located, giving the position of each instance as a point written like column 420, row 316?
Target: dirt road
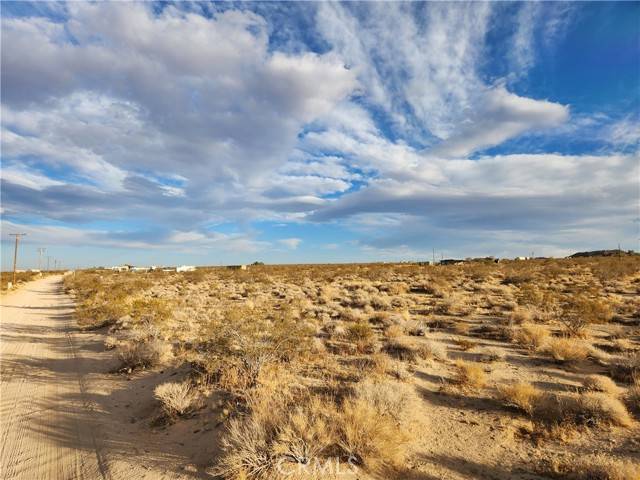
column 45, row 426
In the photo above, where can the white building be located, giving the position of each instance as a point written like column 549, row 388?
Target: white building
column 186, row 268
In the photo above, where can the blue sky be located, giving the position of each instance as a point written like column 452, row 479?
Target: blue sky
column 318, row 132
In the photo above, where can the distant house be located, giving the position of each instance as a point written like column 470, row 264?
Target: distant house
column 522, row 258
column 139, row 269
column 186, row 268
column 121, row 268
column 451, row 261
column 237, row 267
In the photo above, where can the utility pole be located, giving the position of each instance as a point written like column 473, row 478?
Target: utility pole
column 40, row 252
column 15, row 253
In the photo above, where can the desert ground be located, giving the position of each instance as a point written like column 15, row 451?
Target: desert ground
column 484, row 370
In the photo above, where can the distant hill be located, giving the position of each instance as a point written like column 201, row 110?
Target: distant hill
column 604, row 253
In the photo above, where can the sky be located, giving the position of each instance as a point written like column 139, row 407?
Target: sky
column 207, row 134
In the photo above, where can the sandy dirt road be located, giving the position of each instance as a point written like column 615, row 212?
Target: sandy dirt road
column 45, row 422
column 64, row 416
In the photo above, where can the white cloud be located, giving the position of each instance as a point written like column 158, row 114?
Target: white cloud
column 625, row 132
column 426, row 60
column 500, row 116
column 22, row 175
column 291, row 243
column 203, row 97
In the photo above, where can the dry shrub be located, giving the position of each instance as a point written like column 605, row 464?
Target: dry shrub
column 395, row 400
column 461, row 328
column 531, row 336
column 594, row 467
column 600, row 383
column 150, row 310
column 567, row 349
column 465, row 344
column 351, row 315
column 146, row 353
column 632, row 397
column 369, row 437
column 521, row 395
column 490, row 354
column 455, row 304
column 111, row 342
column 176, row 398
column 433, row 350
column 469, row 375
column 626, row 368
column 394, row 331
column 283, row 435
column 579, row 311
column 416, row 328
column 622, row 345
column 305, row 435
column 362, row 335
column 380, row 302
column 402, row 349
column 248, row 450
column 520, row 315
column 591, row 409
column 376, row 364
column 398, row 370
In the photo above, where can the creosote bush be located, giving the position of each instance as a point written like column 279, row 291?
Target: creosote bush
column 579, row 311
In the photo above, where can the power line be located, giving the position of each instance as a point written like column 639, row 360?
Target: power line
column 41, row 250
column 15, row 253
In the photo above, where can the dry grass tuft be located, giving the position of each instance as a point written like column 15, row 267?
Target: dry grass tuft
column 369, row 437
column 433, row 350
column 600, row 383
column 402, row 349
column 595, row 467
column 465, row 344
column 591, row 409
column 177, row 398
column 469, row 375
column 490, row 354
column 531, row 336
column 632, row 397
column 521, row 395
column 567, row 349
column 626, row 368
column 144, row 353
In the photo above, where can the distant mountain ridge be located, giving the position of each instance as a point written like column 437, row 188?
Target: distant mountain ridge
column 604, row 253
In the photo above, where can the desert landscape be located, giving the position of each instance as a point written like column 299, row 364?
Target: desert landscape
column 319, row 240
column 517, row 369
